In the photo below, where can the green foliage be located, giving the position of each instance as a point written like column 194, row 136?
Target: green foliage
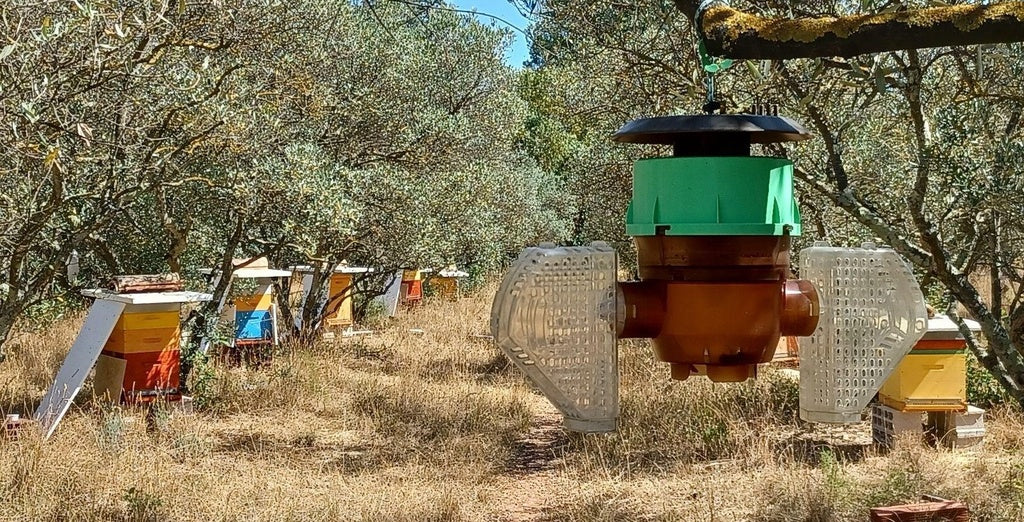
column 112, row 428
column 982, row 389
column 143, row 506
column 311, row 131
column 197, row 372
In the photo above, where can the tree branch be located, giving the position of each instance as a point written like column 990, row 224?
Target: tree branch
column 737, row 34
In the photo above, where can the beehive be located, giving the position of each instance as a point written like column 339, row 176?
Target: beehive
column 412, row 286
column 251, row 308
column 933, row 376
column 338, row 312
column 446, row 283
column 141, row 358
column 339, row 305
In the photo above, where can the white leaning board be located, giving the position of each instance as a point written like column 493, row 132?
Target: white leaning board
column 80, row 359
column 393, row 291
column 307, row 284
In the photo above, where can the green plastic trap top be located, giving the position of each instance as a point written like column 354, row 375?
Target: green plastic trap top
column 714, row 196
column 712, row 186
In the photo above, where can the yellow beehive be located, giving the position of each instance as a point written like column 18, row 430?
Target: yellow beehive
column 446, row 283
column 928, row 380
column 141, row 341
column 339, row 308
column 446, row 287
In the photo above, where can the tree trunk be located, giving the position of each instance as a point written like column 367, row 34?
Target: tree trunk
column 8, row 315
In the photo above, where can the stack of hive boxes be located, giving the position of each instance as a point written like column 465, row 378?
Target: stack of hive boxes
column 931, row 379
column 412, row 286
column 140, row 360
column 254, row 315
column 933, row 376
column 251, row 307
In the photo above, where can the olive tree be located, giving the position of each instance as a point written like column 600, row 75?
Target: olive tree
column 102, row 103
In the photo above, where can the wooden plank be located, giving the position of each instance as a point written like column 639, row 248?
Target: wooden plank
column 87, row 346
column 273, row 319
column 148, row 298
column 392, row 293
column 147, row 283
column 108, row 379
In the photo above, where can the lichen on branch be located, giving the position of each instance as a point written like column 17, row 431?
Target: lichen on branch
column 737, row 34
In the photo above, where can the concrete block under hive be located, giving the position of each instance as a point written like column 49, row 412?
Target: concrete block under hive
column 961, row 430
column 888, row 423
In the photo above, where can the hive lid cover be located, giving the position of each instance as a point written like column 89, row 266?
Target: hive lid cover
column 668, row 130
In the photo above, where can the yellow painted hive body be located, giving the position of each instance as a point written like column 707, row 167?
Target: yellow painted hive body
column 339, row 308
column 446, row 287
column 141, row 358
column 928, row 381
column 261, row 299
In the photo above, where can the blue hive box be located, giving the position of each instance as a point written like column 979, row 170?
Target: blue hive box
column 254, row 324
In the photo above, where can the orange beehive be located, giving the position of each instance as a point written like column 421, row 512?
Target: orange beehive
column 141, row 357
column 412, row 286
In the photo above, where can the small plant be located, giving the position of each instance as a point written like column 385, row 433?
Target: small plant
column 112, row 428
column 197, row 371
column 982, row 388
column 837, row 487
column 143, row 506
column 898, row 486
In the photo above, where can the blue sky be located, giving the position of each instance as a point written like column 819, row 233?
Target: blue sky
column 504, row 9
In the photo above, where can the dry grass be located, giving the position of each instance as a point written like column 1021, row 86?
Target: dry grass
column 427, row 426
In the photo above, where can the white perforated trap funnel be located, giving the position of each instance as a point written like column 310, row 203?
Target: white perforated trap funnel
column 872, row 314
column 554, row 317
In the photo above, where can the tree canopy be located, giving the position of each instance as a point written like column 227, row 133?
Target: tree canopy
column 174, row 135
